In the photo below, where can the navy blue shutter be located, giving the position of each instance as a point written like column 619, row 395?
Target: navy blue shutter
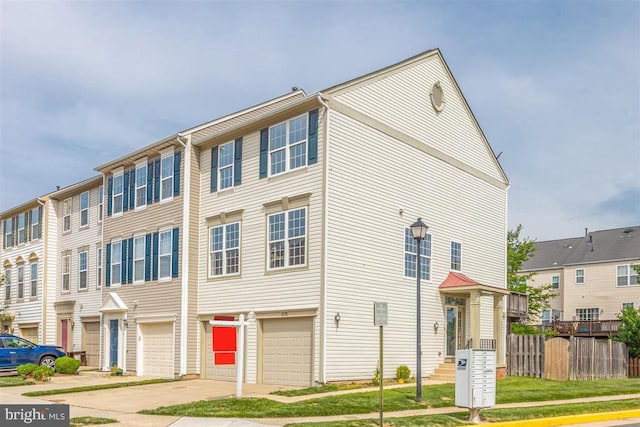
column 264, row 152
column 214, row 169
column 108, row 265
column 313, row 137
column 237, row 162
column 174, row 252
column 154, row 260
column 156, row 181
column 123, row 263
column 130, row 262
column 150, row 183
column 176, row 173
column 109, row 196
column 125, row 193
column 132, row 189
column 147, row 257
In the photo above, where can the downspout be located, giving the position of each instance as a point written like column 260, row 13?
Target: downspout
column 184, row 302
column 45, row 263
column 102, row 362
column 325, row 250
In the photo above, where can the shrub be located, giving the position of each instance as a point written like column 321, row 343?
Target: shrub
column 376, row 376
column 67, row 365
column 43, row 373
column 26, row 371
column 403, row 372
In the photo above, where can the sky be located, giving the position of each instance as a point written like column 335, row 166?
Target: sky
column 555, row 85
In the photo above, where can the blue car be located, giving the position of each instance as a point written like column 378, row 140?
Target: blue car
column 16, row 351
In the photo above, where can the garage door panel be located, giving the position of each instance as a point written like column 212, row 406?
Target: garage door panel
column 91, row 342
column 287, row 351
column 157, row 349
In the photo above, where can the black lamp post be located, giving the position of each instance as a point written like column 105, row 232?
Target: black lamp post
column 418, row 231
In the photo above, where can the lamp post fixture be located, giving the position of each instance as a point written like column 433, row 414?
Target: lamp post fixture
column 418, row 231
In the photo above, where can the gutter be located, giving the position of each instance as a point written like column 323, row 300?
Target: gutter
column 45, row 251
column 184, row 296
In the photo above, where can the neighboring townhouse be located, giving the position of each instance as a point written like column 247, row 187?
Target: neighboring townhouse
column 28, row 292
column 78, row 293
column 304, row 215
column 591, row 275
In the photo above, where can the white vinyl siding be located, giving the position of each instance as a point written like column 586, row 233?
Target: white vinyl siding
column 84, row 209
column 82, row 269
column 66, row 271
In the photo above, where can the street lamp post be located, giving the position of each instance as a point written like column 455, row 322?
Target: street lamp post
column 418, row 231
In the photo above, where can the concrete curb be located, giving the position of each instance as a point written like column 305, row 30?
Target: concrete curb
column 571, row 419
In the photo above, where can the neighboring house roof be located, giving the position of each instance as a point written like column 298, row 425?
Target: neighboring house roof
column 618, row 244
column 76, row 188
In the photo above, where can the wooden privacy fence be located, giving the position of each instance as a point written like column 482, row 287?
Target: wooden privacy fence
column 525, row 355
column 634, row 367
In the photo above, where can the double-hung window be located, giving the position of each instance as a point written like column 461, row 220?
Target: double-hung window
column 8, row 237
column 287, row 239
column 7, row 284
column 456, row 256
column 139, row 248
column 98, row 267
column 587, row 314
column 579, row 276
column 288, row 145
column 82, row 269
column 66, row 270
column 141, row 186
column 166, row 177
column 84, row 209
column 22, row 231
column 100, row 203
column 410, row 256
column 224, row 249
column 164, row 254
column 626, row 276
column 66, row 212
column 34, row 279
column 35, row 223
column 118, row 191
column 116, row 263
column 225, row 165
column 555, row 282
column 20, row 282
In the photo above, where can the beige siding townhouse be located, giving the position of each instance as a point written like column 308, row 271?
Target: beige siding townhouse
column 304, row 223
column 591, row 274
column 79, row 275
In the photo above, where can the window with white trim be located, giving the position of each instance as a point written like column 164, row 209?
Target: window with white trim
column 35, row 223
column 8, row 238
column 22, row 231
column 225, row 165
column 84, row 209
column 224, row 249
column 579, row 276
column 116, row 263
column 118, row 194
column 66, row 214
column 630, row 305
column 587, row 314
column 99, row 267
column 166, row 177
column 82, row 269
column 20, row 282
column 66, row 270
column 141, row 186
column 456, row 256
column 100, row 203
column 139, row 247
column 410, row 256
column 287, row 239
column 7, row 284
column 34, row 279
column 164, row 254
column 288, row 145
column 626, row 275
column 555, row 282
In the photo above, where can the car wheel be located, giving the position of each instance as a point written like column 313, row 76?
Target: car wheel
column 49, row 361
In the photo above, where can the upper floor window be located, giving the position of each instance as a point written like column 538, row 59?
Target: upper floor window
column 226, row 165
column 587, row 314
column 164, row 254
column 82, row 269
column 626, row 276
column 555, row 282
column 118, row 194
column 98, row 267
column 35, row 223
column 141, row 186
column 116, row 263
column 7, row 284
column 20, row 281
column 8, row 230
column 224, row 249
column 22, row 231
column 166, row 177
column 288, row 145
column 84, row 209
column 66, row 212
column 34, row 279
column 580, row 276
column 139, row 251
column 286, row 243
column 100, row 202
column 410, row 256
column 66, row 270
column 456, row 256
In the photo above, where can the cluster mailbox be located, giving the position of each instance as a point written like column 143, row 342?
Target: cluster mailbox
column 475, row 380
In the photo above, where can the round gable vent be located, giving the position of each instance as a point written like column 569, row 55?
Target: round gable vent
column 437, row 97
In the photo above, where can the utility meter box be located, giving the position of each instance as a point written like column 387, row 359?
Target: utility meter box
column 475, row 378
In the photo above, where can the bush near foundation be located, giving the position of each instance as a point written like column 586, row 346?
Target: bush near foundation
column 26, row 371
column 67, row 365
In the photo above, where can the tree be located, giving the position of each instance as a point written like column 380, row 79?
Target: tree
column 520, row 250
column 629, row 330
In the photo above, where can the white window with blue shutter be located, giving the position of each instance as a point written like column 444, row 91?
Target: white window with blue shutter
column 226, row 165
column 140, row 192
column 116, row 263
column 117, row 202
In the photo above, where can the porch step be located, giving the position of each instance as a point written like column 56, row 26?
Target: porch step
column 444, row 372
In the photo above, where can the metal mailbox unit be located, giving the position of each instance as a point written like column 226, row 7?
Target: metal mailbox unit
column 475, row 380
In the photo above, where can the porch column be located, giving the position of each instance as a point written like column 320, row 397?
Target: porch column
column 498, row 321
column 475, row 318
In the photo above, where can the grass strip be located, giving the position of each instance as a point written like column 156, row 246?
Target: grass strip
column 95, row 387
column 90, row 421
column 319, row 389
column 14, row 381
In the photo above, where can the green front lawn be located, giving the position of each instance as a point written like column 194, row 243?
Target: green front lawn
column 14, row 381
column 510, row 390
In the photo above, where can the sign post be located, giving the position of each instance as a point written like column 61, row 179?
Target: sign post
column 380, row 318
column 240, row 324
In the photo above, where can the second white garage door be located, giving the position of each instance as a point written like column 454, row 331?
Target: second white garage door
column 157, row 349
column 286, row 351
column 91, row 342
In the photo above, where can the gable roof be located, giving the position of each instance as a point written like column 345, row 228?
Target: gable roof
column 618, row 244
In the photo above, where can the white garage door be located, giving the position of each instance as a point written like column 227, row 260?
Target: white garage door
column 91, row 342
column 157, row 349
column 30, row 334
column 286, row 351
column 212, row 371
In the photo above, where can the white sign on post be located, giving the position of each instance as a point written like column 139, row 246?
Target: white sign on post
column 380, row 314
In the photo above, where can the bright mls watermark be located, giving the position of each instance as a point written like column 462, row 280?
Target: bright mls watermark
column 34, row 415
